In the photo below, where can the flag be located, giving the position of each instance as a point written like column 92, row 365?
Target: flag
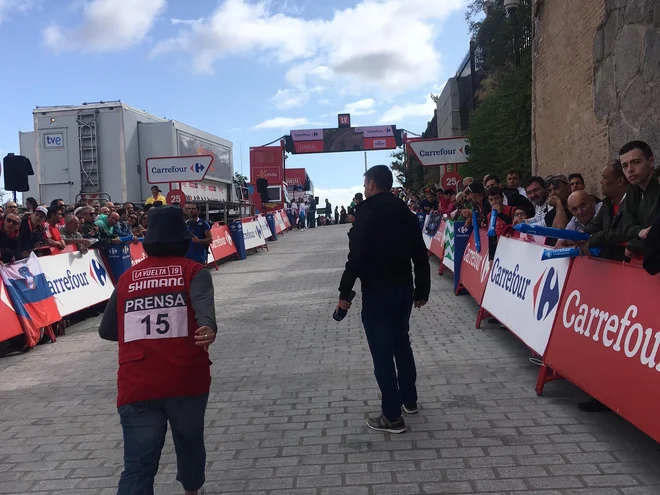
column 33, row 301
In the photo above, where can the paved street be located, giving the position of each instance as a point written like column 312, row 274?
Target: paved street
column 291, row 389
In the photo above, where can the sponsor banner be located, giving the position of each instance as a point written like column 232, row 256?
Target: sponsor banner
column 280, row 226
column 137, row 253
column 222, row 245
column 307, row 135
column 164, row 169
column 76, row 280
column 606, row 338
column 285, row 219
column 265, row 228
column 295, row 176
column 523, row 292
column 253, row 235
column 475, row 267
column 379, row 143
column 427, row 238
column 438, row 241
column 272, row 174
column 10, row 327
column 376, row 131
column 309, row 146
column 441, row 151
column 204, row 191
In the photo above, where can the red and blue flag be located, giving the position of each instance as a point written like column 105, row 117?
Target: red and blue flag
column 33, row 301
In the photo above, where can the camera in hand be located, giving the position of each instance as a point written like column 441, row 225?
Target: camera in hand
column 340, row 314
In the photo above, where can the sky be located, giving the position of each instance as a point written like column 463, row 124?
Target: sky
column 248, row 71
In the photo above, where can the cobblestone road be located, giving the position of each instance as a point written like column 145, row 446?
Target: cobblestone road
column 291, row 391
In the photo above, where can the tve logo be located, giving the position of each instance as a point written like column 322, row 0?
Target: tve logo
column 54, row 140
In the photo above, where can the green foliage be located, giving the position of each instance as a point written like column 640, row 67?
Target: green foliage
column 409, row 175
column 501, row 128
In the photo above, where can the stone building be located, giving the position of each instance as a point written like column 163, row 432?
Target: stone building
column 596, row 82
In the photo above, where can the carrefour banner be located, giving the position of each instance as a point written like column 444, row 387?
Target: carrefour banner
column 523, row 292
column 606, row 338
column 77, row 281
column 253, row 235
column 222, row 244
column 475, row 267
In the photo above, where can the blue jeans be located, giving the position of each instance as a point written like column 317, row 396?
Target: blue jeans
column 145, row 425
column 386, row 320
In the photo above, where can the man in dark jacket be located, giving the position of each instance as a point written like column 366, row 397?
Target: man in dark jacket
column 642, row 203
column 384, row 239
column 605, row 229
column 10, row 243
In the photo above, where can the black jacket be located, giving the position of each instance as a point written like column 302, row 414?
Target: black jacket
column 640, row 209
column 384, row 239
column 606, row 232
column 10, row 247
column 652, row 251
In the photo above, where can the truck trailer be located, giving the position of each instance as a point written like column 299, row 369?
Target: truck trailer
column 99, row 151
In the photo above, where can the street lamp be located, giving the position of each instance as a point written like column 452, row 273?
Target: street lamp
column 511, row 7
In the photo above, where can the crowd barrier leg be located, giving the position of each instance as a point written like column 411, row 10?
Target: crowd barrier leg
column 48, row 332
column 482, row 314
column 546, row 375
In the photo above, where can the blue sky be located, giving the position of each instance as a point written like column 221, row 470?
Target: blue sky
column 245, row 70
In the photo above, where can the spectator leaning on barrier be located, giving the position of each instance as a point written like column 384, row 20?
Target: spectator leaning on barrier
column 537, row 193
column 584, row 208
column 163, row 330
column 559, row 190
column 52, row 236
column 384, row 239
column 476, row 195
column 32, row 229
column 201, row 234
column 122, row 228
column 88, row 229
column 71, row 235
column 606, row 228
column 642, row 203
column 10, row 243
column 106, row 225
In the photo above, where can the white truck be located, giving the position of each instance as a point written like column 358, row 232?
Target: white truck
column 99, row 151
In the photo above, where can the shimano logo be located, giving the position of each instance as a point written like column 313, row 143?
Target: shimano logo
column 546, row 294
column 510, row 280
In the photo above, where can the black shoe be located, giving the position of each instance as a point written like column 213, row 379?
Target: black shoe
column 382, row 424
column 592, row 405
column 411, row 408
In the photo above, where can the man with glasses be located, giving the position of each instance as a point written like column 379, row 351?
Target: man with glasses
column 537, row 193
column 10, row 244
column 11, row 207
column 88, row 229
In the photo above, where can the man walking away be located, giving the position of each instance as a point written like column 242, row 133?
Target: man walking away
column 384, row 239
column 201, row 234
column 328, row 210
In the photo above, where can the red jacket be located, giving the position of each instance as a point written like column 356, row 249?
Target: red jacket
column 504, row 219
column 158, row 357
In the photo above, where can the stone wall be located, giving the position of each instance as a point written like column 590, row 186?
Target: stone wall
column 596, row 82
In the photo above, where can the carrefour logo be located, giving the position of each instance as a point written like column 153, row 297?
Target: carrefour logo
column 197, row 168
column 546, row 294
column 98, row 273
column 510, row 280
column 259, row 232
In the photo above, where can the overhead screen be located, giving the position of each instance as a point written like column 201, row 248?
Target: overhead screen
column 343, row 139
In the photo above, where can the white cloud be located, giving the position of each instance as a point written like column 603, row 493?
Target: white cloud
column 338, row 197
column 107, row 25
column 404, row 112
column 8, row 7
column 284, row 123
column 361, row 107
column 382, row 44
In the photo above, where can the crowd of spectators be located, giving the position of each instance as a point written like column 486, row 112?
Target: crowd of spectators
column 47, row 228
column 620, row 223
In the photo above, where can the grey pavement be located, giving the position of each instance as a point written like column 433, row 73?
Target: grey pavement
column 291, row 390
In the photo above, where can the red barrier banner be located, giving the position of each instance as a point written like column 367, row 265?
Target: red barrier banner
column 137, row 253
column 606, row 338
column 285, row 219
column 222, row 245
column 438, row 241
column 10, row 327
column 475, row 267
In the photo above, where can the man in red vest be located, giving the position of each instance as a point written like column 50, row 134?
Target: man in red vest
column 162, row 314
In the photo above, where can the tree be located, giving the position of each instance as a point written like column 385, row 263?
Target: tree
column 500, row 128
column 409, row 174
